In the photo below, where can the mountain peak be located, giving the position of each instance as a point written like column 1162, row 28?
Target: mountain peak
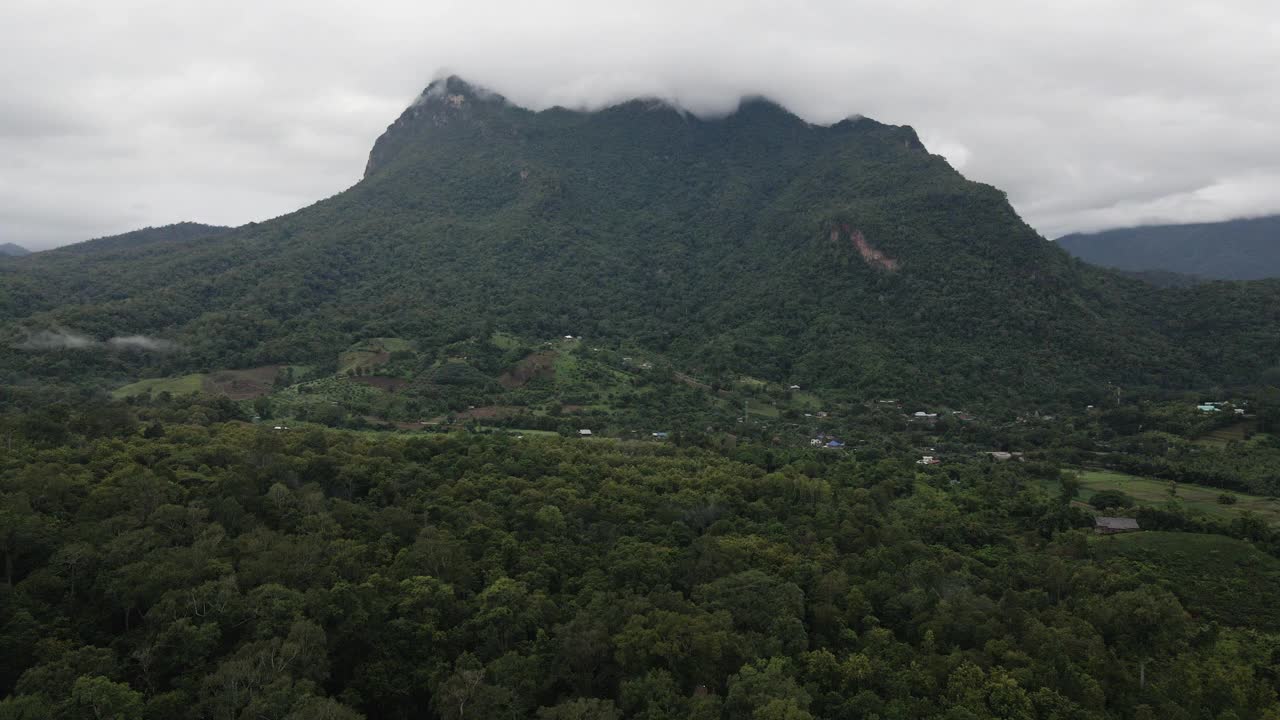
column 13, row 250
column 451, row 104
column 445, row 101
column 455, row 92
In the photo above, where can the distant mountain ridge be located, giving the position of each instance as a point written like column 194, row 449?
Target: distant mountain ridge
column 843, row 257
column 13, row 250
column 175, row 233
column 1233, row 250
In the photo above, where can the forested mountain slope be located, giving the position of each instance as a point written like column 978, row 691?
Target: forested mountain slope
column 1233, row 250
column 10, row 249
column 165, row 234
column 836, row 257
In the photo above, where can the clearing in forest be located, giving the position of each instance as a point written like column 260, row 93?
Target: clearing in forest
column 1155, row 492
column 175, row 385
column 488, row 412
column 533, row 366
column 1238, row 432
column 371, row 353
column 243, row 384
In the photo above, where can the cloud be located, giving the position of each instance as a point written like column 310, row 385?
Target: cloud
column 1089, row 114
column 142, row 342
column 58, row 339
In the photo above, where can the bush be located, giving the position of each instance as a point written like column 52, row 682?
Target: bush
column 1111, row 499
column 1227, row 499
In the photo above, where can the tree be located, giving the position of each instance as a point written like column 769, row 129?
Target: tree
column 654, row 696
column 1144, row 623
column 1070, row 487
column 317, row 708
column 1107, row 499
column 466, row 694
column 262, row 406
column 766, row 690
column 101, row 699
column 20, row 529
column 580, row 709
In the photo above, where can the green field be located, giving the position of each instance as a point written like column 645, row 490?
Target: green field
column 1216, row 577
column 505, row 341
column 1148, row 491
column 371, row 352
column 589, row 382
column 755, row 407
column 176, row 386
column 804, row 400
column 535, row 433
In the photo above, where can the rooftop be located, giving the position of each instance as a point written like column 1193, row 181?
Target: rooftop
column 1116, row 523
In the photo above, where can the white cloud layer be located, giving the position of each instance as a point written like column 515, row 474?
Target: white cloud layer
column 60, row 339
column 119, row 114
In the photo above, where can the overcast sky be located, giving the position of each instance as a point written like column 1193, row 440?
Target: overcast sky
column 117, row 114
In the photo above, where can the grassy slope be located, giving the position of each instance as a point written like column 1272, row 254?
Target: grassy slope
column 175, row 385
column 1194, row 497
column 371, row 353
column 1216, row 577
column 1221, row 437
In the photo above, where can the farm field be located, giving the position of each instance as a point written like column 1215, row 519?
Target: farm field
column 173, row 385
column 1194, row 497
column 1221, row 437
column 245, row 384
column 371, row 353
column 755, row 407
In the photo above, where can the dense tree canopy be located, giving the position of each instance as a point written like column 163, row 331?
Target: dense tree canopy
column 187, row 564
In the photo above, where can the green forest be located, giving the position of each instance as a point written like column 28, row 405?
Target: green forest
column 171, row 560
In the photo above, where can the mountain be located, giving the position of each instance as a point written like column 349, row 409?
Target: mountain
column 1164, row 278
column 1232, row 250
column 843, row 257
column 176, row 233
column 13, row 250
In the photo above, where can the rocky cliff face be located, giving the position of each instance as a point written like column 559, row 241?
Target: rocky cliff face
column 445, row 101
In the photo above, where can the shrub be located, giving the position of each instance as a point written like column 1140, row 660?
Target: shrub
column 1111, row 499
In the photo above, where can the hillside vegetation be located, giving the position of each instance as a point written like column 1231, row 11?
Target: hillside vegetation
column 844, row 258
column 169, row 560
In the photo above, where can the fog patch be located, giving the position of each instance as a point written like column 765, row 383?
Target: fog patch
column 59, row 339
column 142, row 342
column 56, row 340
